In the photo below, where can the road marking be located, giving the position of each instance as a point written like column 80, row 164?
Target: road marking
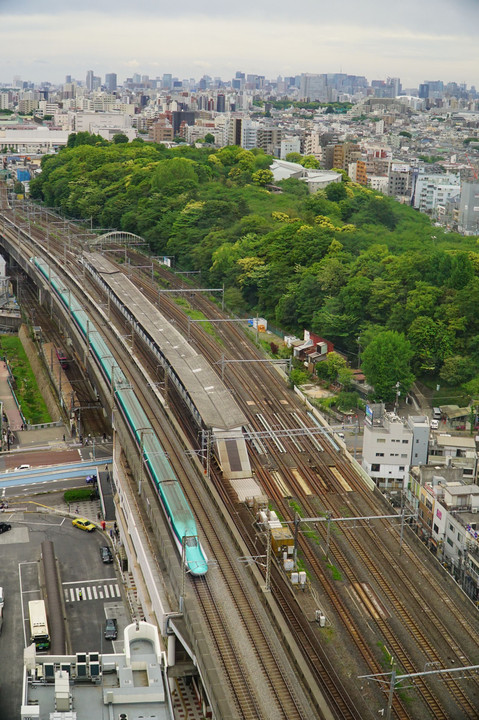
column 90, row 592
column 78, row 582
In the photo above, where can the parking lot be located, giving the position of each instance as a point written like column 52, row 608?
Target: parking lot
column 92, row 590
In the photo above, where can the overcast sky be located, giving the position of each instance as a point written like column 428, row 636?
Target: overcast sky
column 415, row 40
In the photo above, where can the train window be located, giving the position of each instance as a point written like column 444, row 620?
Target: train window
column 191, row 541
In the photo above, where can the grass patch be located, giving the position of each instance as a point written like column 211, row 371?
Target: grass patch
column 327, row 633
column 307, row 531
column 77, row 495
column 296, row 507
column 26, row 389
column 197, row 315
column 336, row 575
column 446, row 395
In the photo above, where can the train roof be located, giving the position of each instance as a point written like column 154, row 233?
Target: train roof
column 212, row 399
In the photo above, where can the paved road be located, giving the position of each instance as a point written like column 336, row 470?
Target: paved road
column 80, row 567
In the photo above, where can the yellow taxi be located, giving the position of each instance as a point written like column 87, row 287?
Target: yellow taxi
column 83, row 524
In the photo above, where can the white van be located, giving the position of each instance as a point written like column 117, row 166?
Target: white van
column 434, row 424
column 436, row 413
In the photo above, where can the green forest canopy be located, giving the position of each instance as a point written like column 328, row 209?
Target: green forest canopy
column 344, row 262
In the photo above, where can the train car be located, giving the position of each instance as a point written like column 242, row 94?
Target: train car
column 174, row 503
column 172, row 498
column 62, row 358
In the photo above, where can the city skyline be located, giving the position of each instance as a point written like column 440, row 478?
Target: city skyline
column 433, row 39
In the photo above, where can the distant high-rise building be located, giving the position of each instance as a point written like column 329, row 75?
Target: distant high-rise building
column 424, row 91
column 68, row 79
column 111, row 82
column 220, row 103
column 89, row 80
column 313, row 87
column 167, row 81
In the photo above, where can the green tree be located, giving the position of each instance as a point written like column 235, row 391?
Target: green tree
column 294, row 157
column 457, row 370
column 262, row 177
column 386, row 362
column 333, row 365
column 120, row 138
column 335, row 191
column 310, row 162
column 209, row 138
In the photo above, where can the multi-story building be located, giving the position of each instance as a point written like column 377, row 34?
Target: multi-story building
column 111, row 82
column 314, row 87
column 431, row 190
column 448, row 517
column 341, row 155
column 391, row 444
column 289, row 145
column 89, row 80
column 468, row 220
column 399, row 181
column 162, row 131
column 268, row 139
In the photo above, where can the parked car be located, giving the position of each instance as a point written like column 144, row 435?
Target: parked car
column 105, row 554
column 4, row 527
column 434, row 424
column 90, row 479
column 22, row 467
column 111, row 629
column 83, row 524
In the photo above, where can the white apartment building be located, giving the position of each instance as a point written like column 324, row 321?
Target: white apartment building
column 86, row 121
column 289, row 145
column 431, row 190
column 391, row 445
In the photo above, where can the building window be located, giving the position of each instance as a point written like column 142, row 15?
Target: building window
column 401, row 467
column 405, row 442
column 382, row 440
column 459, row 537
column 403, row 454
column 436, row 529
column 379, row 454
column 451, row 527
column 449, row 542
column 375, row 467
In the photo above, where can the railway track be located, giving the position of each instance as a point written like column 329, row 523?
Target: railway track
column 430, row 699
column 232, row 338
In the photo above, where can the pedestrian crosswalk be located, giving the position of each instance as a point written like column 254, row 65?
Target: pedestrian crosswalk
column 105, row 591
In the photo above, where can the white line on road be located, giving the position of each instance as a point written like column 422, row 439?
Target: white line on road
column 78, row 582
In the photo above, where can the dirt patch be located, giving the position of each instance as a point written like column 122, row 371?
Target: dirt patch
column 316, row 392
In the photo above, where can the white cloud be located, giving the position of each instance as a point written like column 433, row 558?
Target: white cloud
column 74, row 42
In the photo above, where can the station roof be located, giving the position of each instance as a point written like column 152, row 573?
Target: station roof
column 211, row 397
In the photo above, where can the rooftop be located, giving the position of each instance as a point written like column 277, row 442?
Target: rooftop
column 132, row 683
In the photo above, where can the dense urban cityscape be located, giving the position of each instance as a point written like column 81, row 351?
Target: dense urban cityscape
column 418, row 145
column 240, row 349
